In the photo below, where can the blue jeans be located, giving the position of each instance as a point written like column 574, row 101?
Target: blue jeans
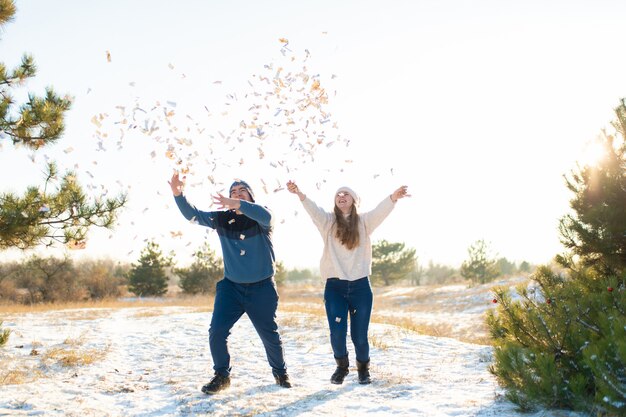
column 355, row 297
column 259, row 301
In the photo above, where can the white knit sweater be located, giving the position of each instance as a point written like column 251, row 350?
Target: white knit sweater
column 337, row 260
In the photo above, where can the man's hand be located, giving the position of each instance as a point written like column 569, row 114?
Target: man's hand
column 176, row 184
column 226, row 203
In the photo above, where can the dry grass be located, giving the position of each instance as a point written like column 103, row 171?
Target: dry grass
column 379, row 341
column 316, row 310
column 406, row 323
column 388, row 379
column 409, row 324
column 86, row 314
column 75, row 341
column 397, row 306
column 290, row 321
column 148, row 313
column 201, row 301
column 71, row 357
column 15, row 377
column 12, row 373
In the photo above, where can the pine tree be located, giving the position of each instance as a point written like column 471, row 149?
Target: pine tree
column 563, row 343
column 480, row 267
column 417, row 274
column 440, row 274
column 597, row 233
column 280, row 275
column 524, row 267
column 391, row 261
column 59, row 211
column 148, row 278
column 203, row 273
column 505, row 267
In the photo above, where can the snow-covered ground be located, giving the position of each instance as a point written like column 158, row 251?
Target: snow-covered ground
column 152, row 361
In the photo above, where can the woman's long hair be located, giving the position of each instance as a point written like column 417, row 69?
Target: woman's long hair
column 347, row 228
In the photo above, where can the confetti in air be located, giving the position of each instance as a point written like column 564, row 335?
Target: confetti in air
column 283, row 117
column 275, row 122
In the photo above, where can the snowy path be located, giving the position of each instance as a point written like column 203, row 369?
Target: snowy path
column 156, row 360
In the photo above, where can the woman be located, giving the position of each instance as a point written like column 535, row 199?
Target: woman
column 346, row 265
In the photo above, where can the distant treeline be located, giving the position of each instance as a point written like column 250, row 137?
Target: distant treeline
column 51, row 279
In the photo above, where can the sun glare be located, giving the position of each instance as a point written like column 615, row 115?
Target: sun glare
column 592, row 154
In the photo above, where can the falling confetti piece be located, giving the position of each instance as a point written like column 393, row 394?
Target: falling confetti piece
column 95, row 121
column 231, row 221
column 76, row 244
column 108, row 56
column 338, row 319
column 243, row 252
column 285, row 101
column 242, row 236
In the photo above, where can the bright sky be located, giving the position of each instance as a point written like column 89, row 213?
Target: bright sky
column 479, row 107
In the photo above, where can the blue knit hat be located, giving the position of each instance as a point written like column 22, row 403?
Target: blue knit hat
column 245, row 184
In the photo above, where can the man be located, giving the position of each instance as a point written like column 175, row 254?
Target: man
column 245, row 232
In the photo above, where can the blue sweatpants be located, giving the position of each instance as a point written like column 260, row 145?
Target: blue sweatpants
column 355, row 297
column 260, row 302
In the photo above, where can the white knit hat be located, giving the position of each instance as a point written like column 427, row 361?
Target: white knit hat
column 355, row 196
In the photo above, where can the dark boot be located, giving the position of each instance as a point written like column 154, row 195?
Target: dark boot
column 218, row 383
column 283, row 381
column 363, row 368
column 341, row 371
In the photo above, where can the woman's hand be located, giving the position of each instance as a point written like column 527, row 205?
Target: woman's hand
column 293, row 188
column 400, row 193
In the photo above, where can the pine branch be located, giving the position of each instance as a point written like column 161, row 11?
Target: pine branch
column 519, row 324
column 588, row 326
column 616, row 388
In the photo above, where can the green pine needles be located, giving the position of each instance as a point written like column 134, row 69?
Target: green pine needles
column 149, row 278
column 561, row 343
column 59, row 211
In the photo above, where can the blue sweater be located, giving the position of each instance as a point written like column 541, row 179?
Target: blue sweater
column 246, row 238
